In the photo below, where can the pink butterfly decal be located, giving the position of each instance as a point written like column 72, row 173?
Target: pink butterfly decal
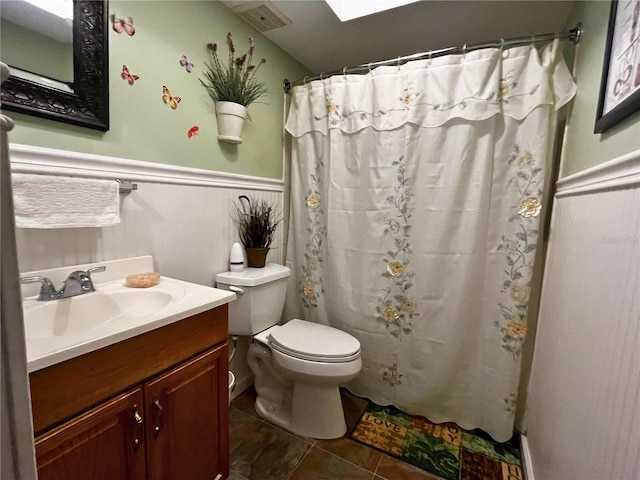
column 193, row 131
column 185, row 63
column 123, row 25
column 127, row 76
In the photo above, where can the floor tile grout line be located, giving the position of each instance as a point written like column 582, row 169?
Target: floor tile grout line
column 375, row 471
column 271, row 425
column 348, row 461
column 345, row 460
column 299, row 463
column 267, row 422
column 311, row 446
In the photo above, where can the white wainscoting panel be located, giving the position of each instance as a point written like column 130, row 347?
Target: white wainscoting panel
column 583, row 409
column 181, row 216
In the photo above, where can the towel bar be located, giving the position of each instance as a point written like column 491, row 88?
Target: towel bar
column 126, row 186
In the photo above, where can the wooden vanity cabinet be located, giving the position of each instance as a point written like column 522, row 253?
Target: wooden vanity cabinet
column 172, row 424
column 183, row 426
column 101, row 444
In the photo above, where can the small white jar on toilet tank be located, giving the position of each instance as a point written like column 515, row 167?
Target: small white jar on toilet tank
column 298, row 366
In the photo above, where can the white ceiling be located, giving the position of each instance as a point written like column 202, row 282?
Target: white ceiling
column 37, row 20
column 319, row 41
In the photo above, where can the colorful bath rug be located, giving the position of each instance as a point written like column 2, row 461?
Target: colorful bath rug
column 443, row 449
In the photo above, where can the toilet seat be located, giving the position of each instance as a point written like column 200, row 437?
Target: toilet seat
column 314, row 342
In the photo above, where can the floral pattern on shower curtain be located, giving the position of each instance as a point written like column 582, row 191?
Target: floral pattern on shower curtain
column 415, row 201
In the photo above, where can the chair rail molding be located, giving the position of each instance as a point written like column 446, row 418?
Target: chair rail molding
column 49, row 161
column 623, row 171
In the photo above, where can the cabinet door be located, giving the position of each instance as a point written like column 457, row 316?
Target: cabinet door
column 103, row 444
column 187, row 431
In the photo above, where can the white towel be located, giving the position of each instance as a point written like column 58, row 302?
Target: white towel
column 47, row 201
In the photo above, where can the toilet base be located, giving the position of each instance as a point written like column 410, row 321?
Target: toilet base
column 273, row 413
column 316, row 412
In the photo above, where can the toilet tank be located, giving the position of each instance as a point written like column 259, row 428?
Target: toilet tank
column 260, row 297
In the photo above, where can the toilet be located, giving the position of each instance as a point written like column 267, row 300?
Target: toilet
column 298, row 366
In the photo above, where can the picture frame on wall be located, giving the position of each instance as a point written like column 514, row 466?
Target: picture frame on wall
column 620, row 85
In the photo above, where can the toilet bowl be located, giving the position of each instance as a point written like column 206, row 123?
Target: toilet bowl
column 298, row 366
column 298, row 387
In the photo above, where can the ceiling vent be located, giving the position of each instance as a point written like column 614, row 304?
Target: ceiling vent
column 263, row 16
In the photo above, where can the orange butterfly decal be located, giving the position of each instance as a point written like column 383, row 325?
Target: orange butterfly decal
column 127, row 76
column 167, row 98
column 123, row 25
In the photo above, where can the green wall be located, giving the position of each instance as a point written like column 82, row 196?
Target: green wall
column 31, row 51
column 583, row 148
column 143, row 127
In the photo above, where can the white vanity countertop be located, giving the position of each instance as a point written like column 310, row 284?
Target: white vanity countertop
column 51, row 342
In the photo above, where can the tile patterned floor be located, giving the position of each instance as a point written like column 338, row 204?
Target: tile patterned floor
column 262, row 451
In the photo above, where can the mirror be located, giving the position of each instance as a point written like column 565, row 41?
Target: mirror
column 76, row 93
column 38, row 38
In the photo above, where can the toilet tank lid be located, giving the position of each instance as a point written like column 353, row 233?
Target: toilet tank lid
column 252, row 277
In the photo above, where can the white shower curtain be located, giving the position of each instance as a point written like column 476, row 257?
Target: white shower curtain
column 415, row 200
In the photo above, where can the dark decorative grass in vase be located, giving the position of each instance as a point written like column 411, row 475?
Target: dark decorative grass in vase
column 257, row 222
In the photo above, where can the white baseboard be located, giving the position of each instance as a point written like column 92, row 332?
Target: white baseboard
column 527, row 466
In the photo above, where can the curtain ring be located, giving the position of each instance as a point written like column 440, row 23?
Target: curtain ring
column 398, row 64
column 304, row 80
column 369, row 67
column 430, row 58
column 501, row 44
column 464, row 51
column 344, row 71
column 321, row 73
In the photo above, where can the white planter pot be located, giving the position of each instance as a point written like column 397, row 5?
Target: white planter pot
column 231, row 118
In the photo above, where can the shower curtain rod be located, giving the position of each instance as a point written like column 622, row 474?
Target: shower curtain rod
column 573, row 35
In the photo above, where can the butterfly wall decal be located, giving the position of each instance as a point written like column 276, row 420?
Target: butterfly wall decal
column 186, row 64
column 193, row 131
column 128, row 76
column 167, row 98
column 123, row 25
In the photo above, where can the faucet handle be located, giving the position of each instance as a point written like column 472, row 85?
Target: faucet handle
column 100, row 268
column 47, row 290
column 85, row 280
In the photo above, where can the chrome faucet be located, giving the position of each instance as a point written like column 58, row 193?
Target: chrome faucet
column 47, row 290
column 77, row 283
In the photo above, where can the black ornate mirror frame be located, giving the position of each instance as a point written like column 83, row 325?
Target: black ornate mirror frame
column 88, row 105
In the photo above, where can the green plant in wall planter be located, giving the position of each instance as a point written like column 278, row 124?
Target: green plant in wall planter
column 233, row 86
column 257, row 222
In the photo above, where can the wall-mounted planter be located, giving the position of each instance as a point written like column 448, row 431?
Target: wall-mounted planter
column 231, row 117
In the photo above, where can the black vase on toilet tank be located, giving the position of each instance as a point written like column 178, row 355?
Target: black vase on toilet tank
column 257, row 221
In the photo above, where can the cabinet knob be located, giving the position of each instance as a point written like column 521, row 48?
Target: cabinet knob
column 158, row 427
column 136, row 415
column 137, row 418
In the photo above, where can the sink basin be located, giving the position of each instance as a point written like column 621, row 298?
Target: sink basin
column 59, row 330
column 75, row 315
